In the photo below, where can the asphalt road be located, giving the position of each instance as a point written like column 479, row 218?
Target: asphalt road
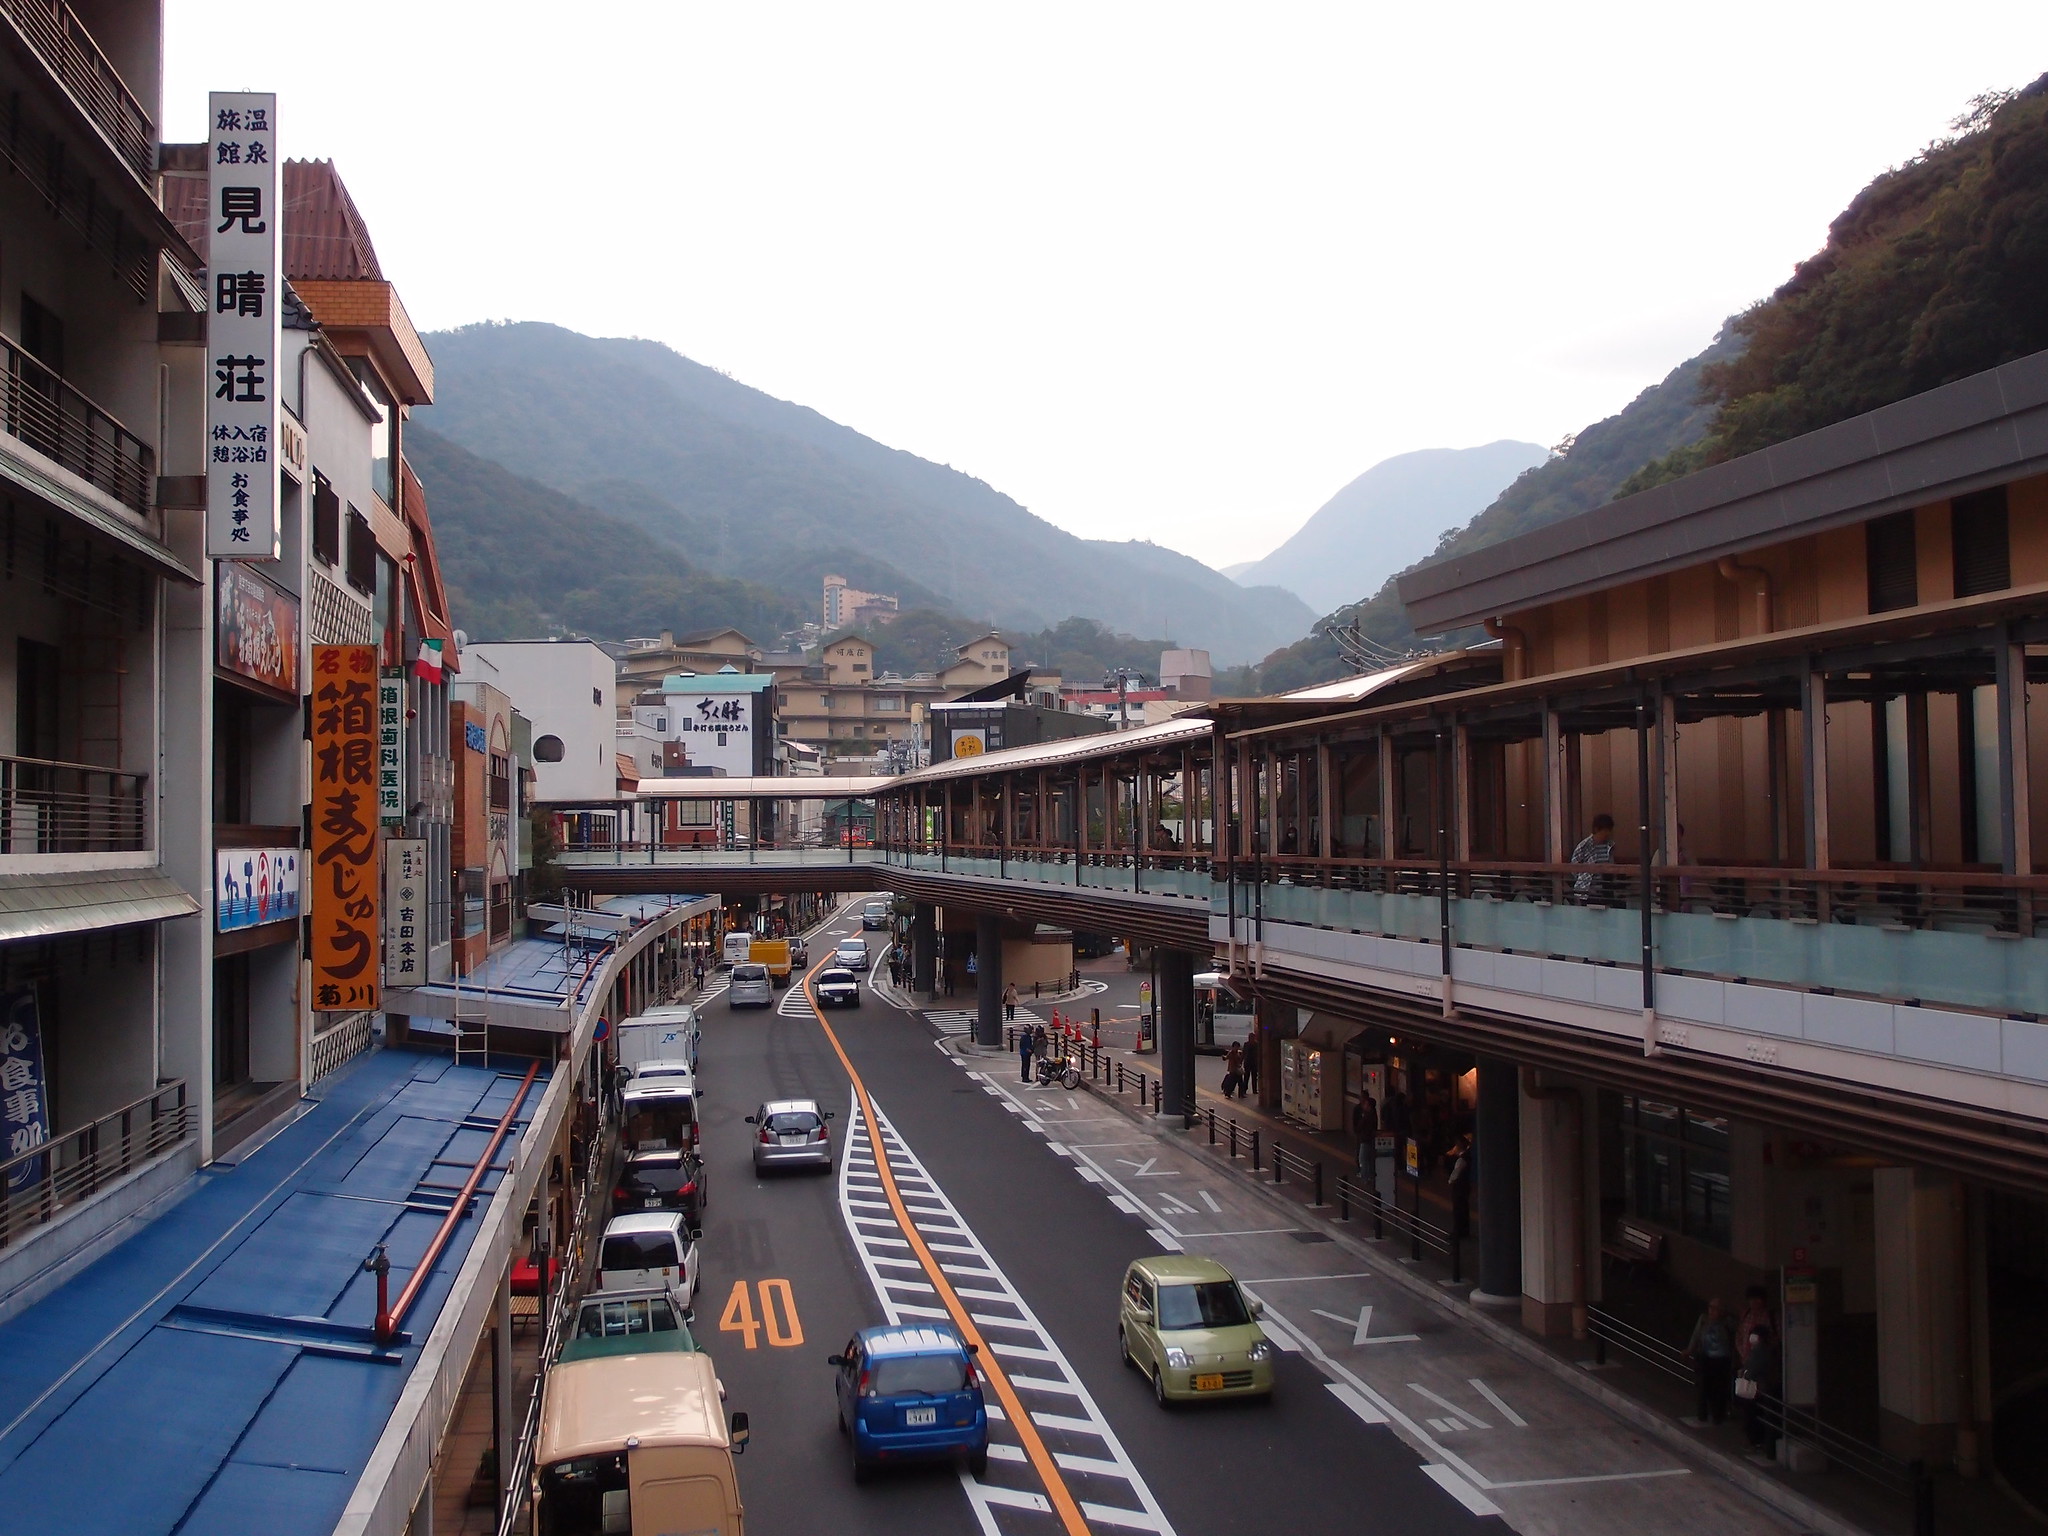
column 1303, row 1462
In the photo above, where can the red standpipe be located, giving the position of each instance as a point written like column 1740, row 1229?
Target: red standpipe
column 390, row 1320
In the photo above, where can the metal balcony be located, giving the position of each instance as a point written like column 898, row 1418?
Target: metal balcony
column 67, row 49
column 42, row 1183
column 40, row 409
column 48, row 807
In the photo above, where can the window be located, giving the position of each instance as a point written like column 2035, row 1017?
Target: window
column 1675, row 1168
column 860, row 666
column 597, row 697
column 1892, row 556
column 362, row 553
column 42, row 335
column 326, row 521
column 547, row 749
column 1980, row 542
column 380, row 434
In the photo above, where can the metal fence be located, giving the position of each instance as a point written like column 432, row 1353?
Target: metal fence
column 58, row 422
column 39, row 1185
column 52, row 807
column 56, row 33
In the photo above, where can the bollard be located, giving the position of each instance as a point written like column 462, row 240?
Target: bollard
column 1255, row 1151
column 1457, row 1251
column 1233, row 1141
column 1279, row 1163
column 1343, row 1199
column 1319, row 1182
column 1212, row 1127
column 1119, row 1079
column 1379, row 1222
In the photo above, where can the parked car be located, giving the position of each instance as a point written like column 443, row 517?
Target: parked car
column 852, row 954
column 799, row 951
column 838, row 988
column 1184, row 1323
column 750, row 987
column 910, row 1393
column 791, row 1133
column 875, row 915
column 659, row 1112
column 649, row 1248
column 638, row 1322
column 662, row 1180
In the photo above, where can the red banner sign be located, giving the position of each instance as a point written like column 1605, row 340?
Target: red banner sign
column 344, row 859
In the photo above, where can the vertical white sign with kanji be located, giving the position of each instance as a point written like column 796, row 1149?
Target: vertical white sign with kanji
column 245, row 227
column 405, row 911
column 391, row 747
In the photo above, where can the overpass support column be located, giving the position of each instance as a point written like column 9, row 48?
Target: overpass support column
column 1176, row 1004
column 924, row 947
column 988, row 975
column 1500, row 1185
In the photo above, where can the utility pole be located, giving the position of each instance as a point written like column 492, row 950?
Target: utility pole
column 1120, row 679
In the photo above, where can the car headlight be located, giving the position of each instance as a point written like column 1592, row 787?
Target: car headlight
column 1263, row 1350
column 1178, row 1359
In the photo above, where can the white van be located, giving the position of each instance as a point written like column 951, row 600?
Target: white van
column 649, row 1248
column 738, row 944
column 752, row 987
column 659, row 1112
column 660, row 1034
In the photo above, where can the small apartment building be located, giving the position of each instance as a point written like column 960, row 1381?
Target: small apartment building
column 983, row 660
column 646, row 662
column 486, row 848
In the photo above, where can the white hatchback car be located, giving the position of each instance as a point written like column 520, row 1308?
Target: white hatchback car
column 649, row 1248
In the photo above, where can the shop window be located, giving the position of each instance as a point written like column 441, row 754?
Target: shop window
column 1892, row 555
column 1980, row 542
column 1675, row 1169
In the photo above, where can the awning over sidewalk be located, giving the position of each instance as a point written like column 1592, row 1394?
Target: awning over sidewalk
column 39, row 906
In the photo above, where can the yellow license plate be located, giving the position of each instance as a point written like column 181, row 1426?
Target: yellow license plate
column 1213, row 1383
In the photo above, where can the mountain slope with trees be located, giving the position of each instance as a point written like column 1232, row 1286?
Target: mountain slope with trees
column 750, row 486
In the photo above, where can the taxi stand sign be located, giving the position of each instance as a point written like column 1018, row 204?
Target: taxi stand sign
column 244, row 227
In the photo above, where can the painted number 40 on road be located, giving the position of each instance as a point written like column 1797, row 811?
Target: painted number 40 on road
column 776, row 1316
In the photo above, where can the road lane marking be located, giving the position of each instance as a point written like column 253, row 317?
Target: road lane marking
column 1210, row 1201
column 1361, row 1327
column 1461, row 1414
column 1351, row 1399
column 921, row 1229
column 1494, row 1398
column 1165, row 1240
column 1459, row 1489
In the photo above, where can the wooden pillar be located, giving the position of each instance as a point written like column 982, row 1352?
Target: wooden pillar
column 1919, row 791
column 2015, row 777
column 1666, row 790
column 1385, row 747
column 1553, row 788
column 1460, row 821
column 1326, row 801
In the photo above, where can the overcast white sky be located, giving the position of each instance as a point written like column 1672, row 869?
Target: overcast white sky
column 1165, row 271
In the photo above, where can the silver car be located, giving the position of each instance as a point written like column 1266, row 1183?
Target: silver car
column 751, row 986
column 791, row 1133
column 852, row 954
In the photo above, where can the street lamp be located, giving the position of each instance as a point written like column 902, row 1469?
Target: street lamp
column 1120, row 679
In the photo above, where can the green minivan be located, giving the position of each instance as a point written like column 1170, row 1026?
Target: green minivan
column 1185, row 1324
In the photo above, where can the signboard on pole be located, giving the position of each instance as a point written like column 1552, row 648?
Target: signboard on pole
column 405, row 911
column 244, row 227
column 391, row 747
column 344, row 857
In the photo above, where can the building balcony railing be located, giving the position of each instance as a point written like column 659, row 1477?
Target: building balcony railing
column 57, row 421
column 39, row 1185
column 61, row 40
column 48, row 807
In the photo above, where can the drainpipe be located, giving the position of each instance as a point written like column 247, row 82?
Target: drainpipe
column 1766, row 590
column 1577, row 1158
column 1506, row 633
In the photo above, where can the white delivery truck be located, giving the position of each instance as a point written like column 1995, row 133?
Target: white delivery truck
column 660, row 1034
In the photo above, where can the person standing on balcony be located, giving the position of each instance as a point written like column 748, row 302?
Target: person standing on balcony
column 1596, row 847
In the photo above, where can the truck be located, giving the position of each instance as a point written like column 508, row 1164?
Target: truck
column 773, row 953
column 660, row 1034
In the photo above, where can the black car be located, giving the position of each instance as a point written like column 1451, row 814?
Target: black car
column 662, row 1179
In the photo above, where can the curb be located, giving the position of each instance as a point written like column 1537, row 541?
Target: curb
column 1786, row 1501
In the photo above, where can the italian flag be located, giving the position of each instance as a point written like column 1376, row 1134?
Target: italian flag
column 427, row 665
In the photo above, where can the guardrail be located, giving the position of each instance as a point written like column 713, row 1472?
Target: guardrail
column 53, row 807
column 64, row 44
column 39, row 1185
column 38, row 407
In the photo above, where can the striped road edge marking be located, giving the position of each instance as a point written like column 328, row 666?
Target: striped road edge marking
column 1110, row 1490
column 960, row 1021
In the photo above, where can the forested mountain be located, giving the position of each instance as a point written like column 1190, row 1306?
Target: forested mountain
column 1387, row 519
column 518, row 557
column 745, row 485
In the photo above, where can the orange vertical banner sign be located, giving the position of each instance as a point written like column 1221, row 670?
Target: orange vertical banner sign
column 345, row 890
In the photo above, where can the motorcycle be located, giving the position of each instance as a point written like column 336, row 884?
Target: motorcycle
column 1066, row 1072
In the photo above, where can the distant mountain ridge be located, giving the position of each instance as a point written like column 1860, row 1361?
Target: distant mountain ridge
column 748, row 486
column 1387, row 519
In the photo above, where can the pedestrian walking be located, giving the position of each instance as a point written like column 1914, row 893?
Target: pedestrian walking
column 1233, row 1070
column 1461, row 1187
column 1759, row 1387
column 1756, row 1310
column 1365, row 1125
column 697, row 972
column 1711, row 1350
column 1249, row 1084
column 1026, row 1043
column 1596, row 847
column 1010, row 1002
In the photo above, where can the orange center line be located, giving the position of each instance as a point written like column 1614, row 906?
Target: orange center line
column 1063, row 1501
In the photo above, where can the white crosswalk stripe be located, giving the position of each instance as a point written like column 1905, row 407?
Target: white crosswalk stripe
column 1007, row 1497
column 960, row 1021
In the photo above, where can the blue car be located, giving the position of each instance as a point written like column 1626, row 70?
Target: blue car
column 911, row 1393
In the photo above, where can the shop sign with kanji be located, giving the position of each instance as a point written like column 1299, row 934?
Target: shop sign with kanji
column 344, row 858
column 244, row 226
column 405, row 911
column 391, row 747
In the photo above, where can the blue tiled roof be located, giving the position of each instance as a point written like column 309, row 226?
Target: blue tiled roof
column 216, row 1372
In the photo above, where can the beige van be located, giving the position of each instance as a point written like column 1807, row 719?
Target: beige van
column 637, row 1445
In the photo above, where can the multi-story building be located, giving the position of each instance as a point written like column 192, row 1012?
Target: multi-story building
column 840, row 706
column 846, row 606
column 982, row 660
column 645, row 663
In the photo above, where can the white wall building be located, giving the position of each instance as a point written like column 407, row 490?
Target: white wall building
column 567, row 688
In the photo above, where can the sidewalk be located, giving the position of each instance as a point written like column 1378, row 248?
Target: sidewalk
column 1837, row 1501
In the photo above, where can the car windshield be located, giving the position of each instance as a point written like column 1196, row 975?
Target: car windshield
column 602, row 1319
column 750, row 973
column 1210, row 1304
column 900, row 1375
column 836, row 979
column 638, row 1250
column 666, row 1174
column 790, row 1121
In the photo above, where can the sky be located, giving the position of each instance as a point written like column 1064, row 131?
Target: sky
column 1169, row 272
